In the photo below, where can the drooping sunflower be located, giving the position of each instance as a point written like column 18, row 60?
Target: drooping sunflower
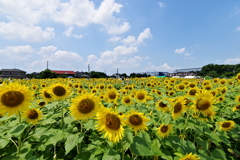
column 59, row 91
column 178, row 107
column 137, row 121
column 32, row 115
column 238, row 76
column 226, row 125
column 190, row 157
column 84, row 106
column 14, row 98
column 111, row 95
column 164, row 130
column 141, row 95
column 162, row 105
column 204, row 102
column 236, row 108
column 110, row 124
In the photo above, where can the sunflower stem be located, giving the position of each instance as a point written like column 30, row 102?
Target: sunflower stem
column 62, row 120
column 55, row 155
column 123, row 152
column 19, row 138
column 185, row 125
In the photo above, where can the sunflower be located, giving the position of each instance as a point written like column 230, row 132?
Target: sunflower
column 222, row 81
column 111, row 95
column 32, row 115
column 238, row 76
column 164, row 130
column 14, row 98
column 127, row 100
column 204, row 102
column 236, row 108
column 226, row 125
column 190, row 157
column 180, row 87
column 208, row 87
column 46, row 95
column 84, row 106
column 192, row 84
column 137, row 121
column 192, row 92
column 59, row 91
column 141, row 95
column 237, row 98
column 178, row 107
column 215, row 80
column 109, row 123
column 162, row 105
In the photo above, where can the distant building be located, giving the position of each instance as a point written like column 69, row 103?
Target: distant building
column 13, row 73
column 68, row 73
column 185, row 72
column 155, row 73
column 81, row 75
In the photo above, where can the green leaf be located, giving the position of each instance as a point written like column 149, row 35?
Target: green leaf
column 72, row 141
column 111, row 155
column 155, row 146
column 3, row 142
column 218, row 154
column 202, row 143
column 166, row 119
column 57, row 135
column 141, row 147
column 203, row 155
column 166, row 155
column 18, row 130
column 90, row 125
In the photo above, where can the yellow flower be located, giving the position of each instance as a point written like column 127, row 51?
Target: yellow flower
column 236, row 108
column 204, row 102
column 127, row 100
column 226, row 125
column 84, row 106
column 137, row 121
column 178, row 107
column 190, row 157
column 32, row 115
column 14, row 98
column 45, row 94
column 59, row 91
column 164, row 130
column 141, row 95
column 237, row 99
column 192, row 92
column 109, row 123
column 111, row 96
column 162, row 106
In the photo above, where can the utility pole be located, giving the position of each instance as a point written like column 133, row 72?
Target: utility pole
column 47, row 64
column 88, row 68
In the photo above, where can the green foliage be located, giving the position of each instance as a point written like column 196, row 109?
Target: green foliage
column 95, row 74
column 220, row 71
column 47, row 74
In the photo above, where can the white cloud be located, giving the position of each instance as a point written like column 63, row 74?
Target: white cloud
column 131, row 40
column 14, row 30
column 232, row 61
column 238, row 28
column 181, row 50
column 161, row 4
column 114, row 39
column 132, row 62
column 165, row 68
column 68, row 33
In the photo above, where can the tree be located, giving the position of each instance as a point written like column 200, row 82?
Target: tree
column 47, row 74
column 94, row 74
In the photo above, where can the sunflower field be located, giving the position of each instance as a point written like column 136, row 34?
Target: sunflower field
column 113, row 119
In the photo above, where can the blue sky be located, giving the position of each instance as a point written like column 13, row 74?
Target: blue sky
column 131, row 35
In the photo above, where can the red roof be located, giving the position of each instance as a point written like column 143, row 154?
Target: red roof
column 63, row 72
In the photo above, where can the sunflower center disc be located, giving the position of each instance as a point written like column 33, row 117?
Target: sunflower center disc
column 181, row 87
column 12, row 98
column 140, row 96
column 86, row 106
column 47, row 95
column 32, row 114
column 41, row 103
column 177, row 107
column 162, row 105
column 135, row 120
column 238, row 107
column 192, row 92
column 164, row 129
column 127, row 100
column 112, row 121
column 192, row 85
column 112, row 95
column 203, row 104
column 59, row 91
column 226, row 124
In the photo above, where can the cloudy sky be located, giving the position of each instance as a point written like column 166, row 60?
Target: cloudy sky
column 131, row 35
